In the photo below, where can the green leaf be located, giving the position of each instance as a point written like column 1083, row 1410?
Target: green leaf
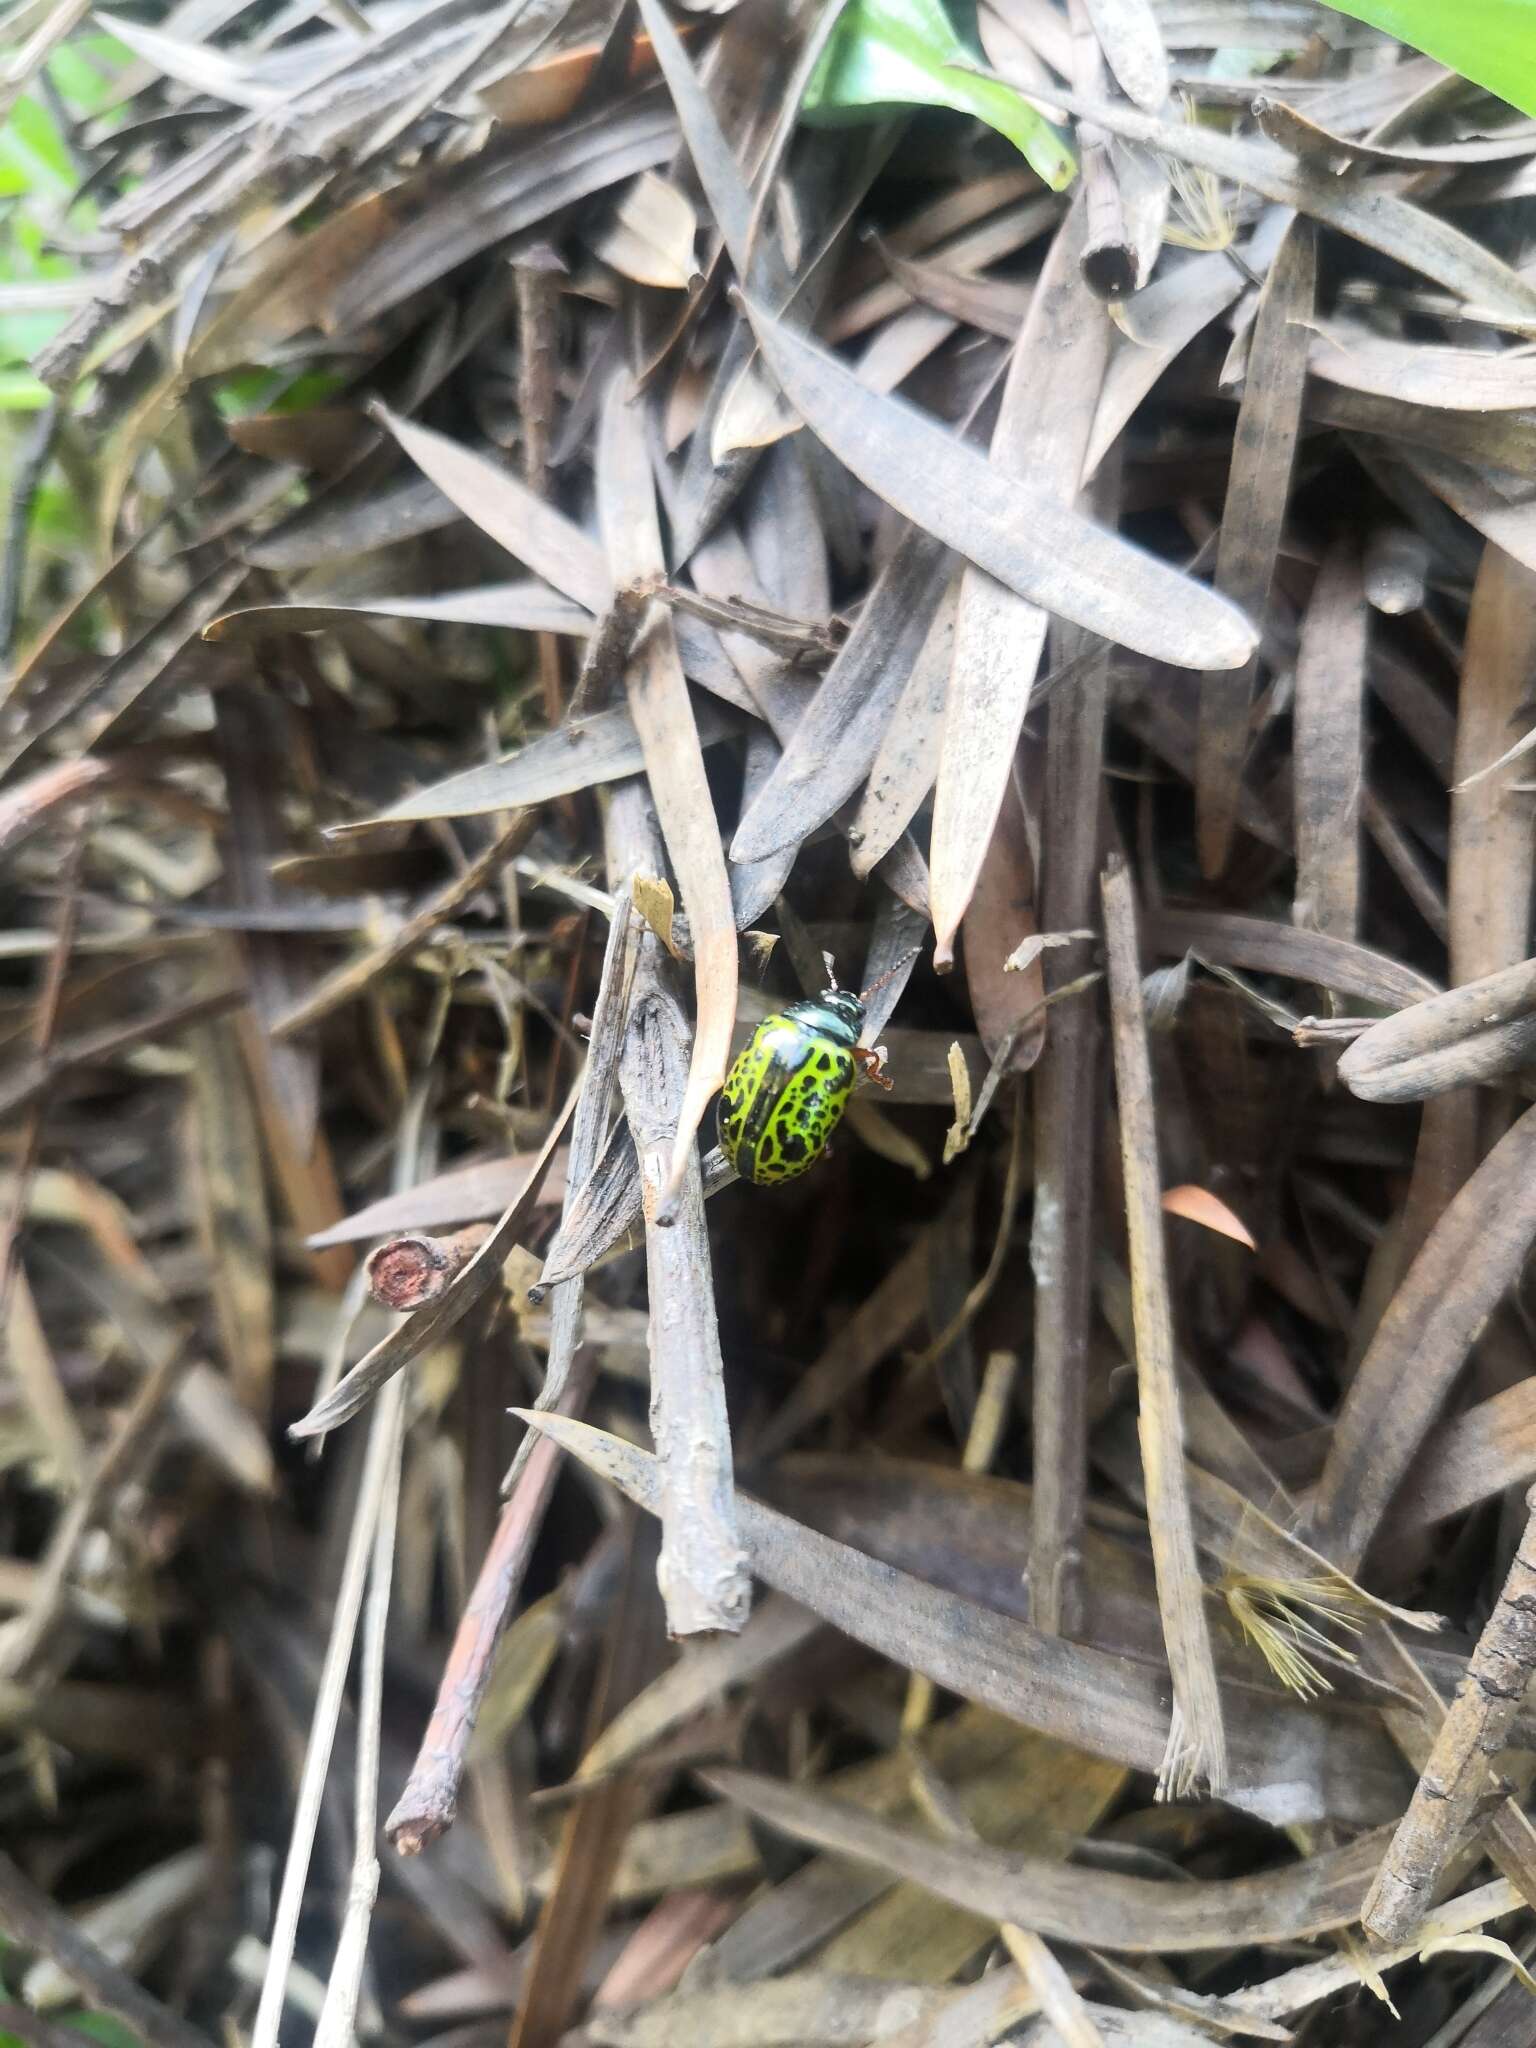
column 30, row 143
column 101, row 2026
column 886, row 53
column 20, row 392
column 1492, row 42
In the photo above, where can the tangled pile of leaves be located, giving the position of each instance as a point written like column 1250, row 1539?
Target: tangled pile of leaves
column 537, row 535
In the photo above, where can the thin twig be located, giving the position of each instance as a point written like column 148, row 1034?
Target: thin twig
column 608, row 648
column 33, row 1920
column 536, row 276
column 378, row 1481
column 338, row 2016
column 353, row 976
column 1066, row 1087
column 22, row 1643
column 429, row 1803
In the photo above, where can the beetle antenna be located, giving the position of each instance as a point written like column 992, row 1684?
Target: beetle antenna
column 889, row 975
column 830, row 971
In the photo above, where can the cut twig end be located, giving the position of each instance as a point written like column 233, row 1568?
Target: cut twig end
column 407, row 1272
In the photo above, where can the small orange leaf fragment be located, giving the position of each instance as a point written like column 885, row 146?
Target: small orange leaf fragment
column 1199, row 1205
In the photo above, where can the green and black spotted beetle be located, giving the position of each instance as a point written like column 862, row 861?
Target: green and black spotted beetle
column 790, row 1083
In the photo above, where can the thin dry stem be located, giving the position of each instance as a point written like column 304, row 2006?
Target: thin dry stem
column 1197, row 1749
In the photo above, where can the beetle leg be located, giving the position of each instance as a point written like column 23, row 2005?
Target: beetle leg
column 871, row 1059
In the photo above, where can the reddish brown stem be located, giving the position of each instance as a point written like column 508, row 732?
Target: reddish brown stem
column 408, row 1271
column 428, row 1805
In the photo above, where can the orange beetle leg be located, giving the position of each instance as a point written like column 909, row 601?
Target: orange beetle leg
column 871, row 1059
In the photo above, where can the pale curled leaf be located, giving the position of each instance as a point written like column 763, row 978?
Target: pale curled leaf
column 651, row 236
column 1054, row 558
column 652, row 896
column 958, row 1136
column 1029, row 950
column 1479, row 1944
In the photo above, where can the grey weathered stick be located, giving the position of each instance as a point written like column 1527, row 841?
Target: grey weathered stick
column 1197, row 1745
column 1459, row 1775
column 703, row 1567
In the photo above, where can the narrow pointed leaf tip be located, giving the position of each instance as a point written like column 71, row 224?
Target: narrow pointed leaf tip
column 1046, row 553
column 887, row 53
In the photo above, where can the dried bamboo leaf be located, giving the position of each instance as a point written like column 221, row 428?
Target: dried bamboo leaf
column 674, row 762
column 411, row 1338
column 1449, row 379
column 1104, row 1703
column 1261, row 946
column 810, row 2009
column 464, row 1194
column 1127, row 1915
column 902, row 772
column 233, row 1223
column 1040, row 438
column 831, row 748
column 526, row 525
column 605, row 746
column 527, row 607
column 1197, row 1743
column 774, row 1632
column 1470, row 1258
column 1258, row 487
column 651, row 236
column 1493, row 833
column 1054, row 558
column 1478, row 1033
column 1329, row 743
column 1381, row 220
